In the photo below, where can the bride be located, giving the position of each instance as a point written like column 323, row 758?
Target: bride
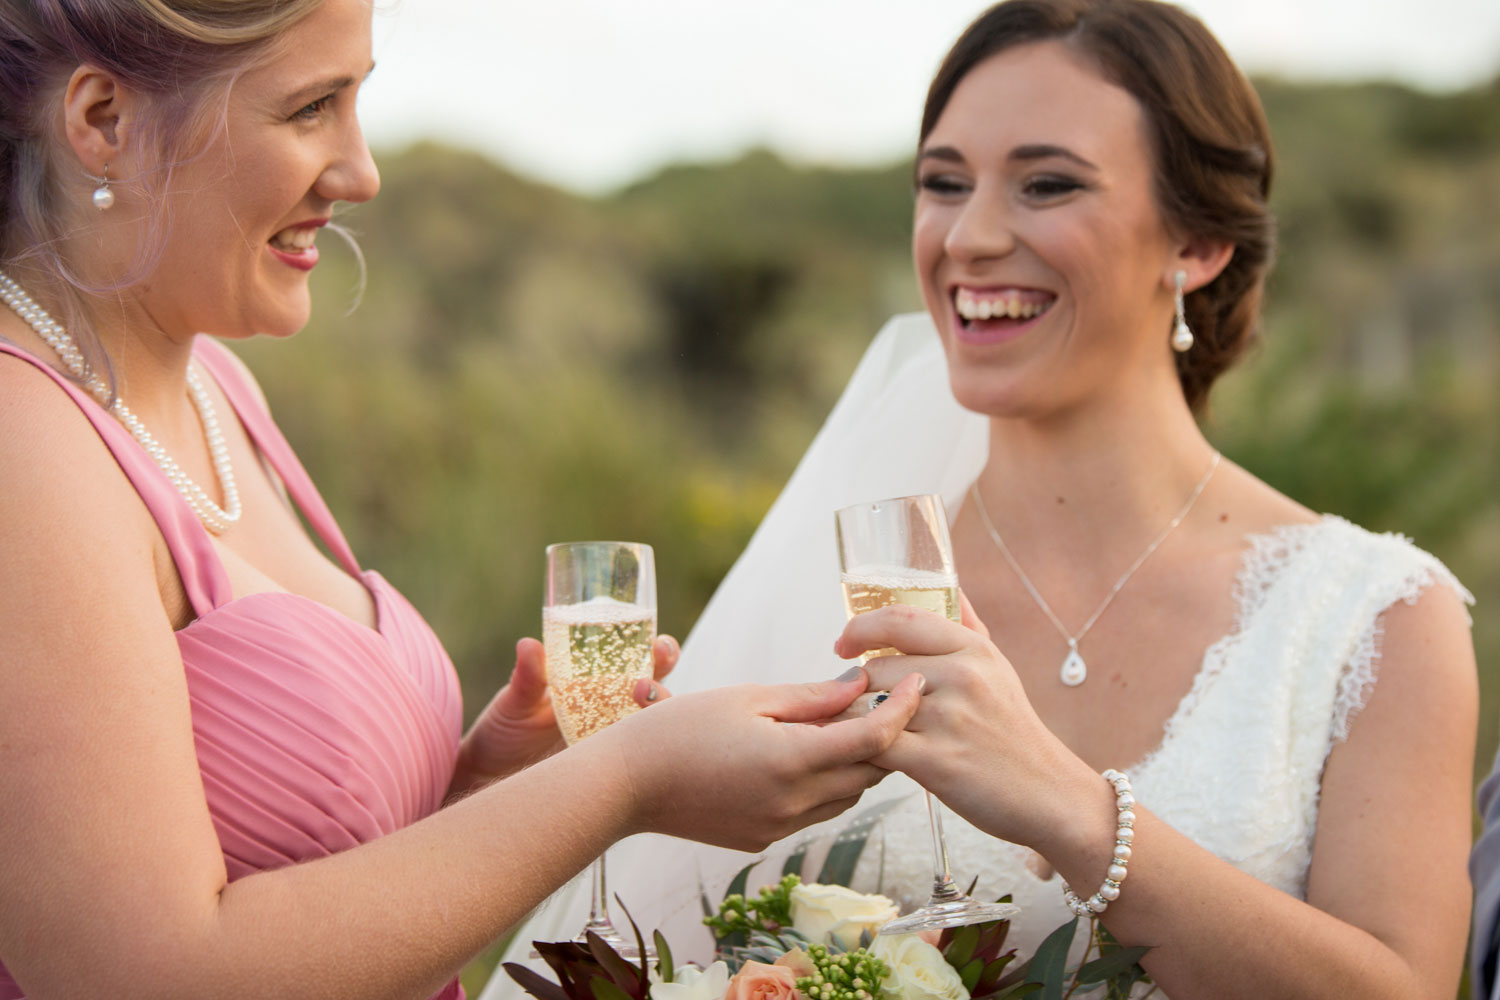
column 1091, row 237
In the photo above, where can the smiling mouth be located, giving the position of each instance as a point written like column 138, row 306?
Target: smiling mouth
column 1000, row 307
column 299, row 239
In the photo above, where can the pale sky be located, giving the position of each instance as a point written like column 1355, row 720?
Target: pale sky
column 592, row 94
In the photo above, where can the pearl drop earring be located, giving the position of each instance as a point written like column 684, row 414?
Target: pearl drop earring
column 1182, row 335
column 104, row 198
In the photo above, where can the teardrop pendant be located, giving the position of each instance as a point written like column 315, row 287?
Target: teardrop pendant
column 1074, row 671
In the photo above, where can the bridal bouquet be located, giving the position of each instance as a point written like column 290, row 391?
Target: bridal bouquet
column 819, row 941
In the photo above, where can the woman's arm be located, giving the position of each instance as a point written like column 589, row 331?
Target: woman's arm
column 112, row 880
column 1388, row 895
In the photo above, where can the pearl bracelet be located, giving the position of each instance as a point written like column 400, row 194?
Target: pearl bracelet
column 1124, row 834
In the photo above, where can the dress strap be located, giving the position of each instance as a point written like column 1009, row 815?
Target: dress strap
column 202, row 574
column 257, row 421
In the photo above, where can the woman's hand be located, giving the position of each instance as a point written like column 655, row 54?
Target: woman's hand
column 975, row 741
column 745, row 766
column 518, row 727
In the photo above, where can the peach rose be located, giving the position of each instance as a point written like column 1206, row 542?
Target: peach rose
column 758, row 981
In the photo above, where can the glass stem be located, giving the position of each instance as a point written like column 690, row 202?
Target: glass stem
column 943, row 888
column 599, row 921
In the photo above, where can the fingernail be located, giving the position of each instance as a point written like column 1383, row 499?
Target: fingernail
column 851, row 674
column 921, row 684
column 652, row 694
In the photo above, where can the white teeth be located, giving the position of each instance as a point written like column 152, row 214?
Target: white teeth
column 971, row 308
column 295, row 239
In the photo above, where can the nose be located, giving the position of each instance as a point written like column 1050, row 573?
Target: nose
column 983, row 228
column 352, row 174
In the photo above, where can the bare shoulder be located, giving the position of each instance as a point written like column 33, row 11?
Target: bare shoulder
column 1256, row 506
column 69, row 517
column 48, row 443
column 1427, row 667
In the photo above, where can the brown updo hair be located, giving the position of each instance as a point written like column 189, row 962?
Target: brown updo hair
column 1208, row 134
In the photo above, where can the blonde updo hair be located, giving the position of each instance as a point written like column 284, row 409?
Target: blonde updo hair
column 182, row 54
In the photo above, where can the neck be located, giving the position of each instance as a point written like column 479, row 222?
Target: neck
column 139, row 361
column 1087, row 490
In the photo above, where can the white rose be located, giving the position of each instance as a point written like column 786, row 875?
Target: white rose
column 692, row 983
column 824, row 911
column 918, row 970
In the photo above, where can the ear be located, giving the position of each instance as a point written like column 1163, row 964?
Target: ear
column 1201, row 260
column 98, row 111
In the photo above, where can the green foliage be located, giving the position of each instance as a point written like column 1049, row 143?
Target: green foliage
column 770, row 911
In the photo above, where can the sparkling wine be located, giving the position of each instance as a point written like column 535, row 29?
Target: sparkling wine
column 876, row 587
column 596, row 651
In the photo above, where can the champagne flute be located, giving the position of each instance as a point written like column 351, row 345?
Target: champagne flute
column 598, row 626
column 897, row 552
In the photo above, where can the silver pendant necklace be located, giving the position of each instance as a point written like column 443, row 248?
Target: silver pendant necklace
column 1074, row 670
column 213, row 517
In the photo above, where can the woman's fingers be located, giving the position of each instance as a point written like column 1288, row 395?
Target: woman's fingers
column 888, row 671
column 665, row 653
column 855, row 740
column 969, row 618
column 905, row 628
column 648, row 692
column 813, row 702
column 528, row 681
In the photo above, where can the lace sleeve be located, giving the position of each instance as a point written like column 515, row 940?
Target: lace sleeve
column 1399, row 572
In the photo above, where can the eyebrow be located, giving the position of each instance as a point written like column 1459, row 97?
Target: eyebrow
column 322, row 87
column 1035, row 151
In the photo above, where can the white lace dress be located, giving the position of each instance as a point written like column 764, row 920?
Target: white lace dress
column 1240, row 760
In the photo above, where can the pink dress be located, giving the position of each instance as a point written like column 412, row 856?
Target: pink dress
column 313, row 733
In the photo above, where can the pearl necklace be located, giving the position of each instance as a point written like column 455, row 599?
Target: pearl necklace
column 215, row 518
column 1074, row 671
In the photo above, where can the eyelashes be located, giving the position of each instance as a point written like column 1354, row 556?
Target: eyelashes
column 942, row 184
column 314, row 110
column 1040, row 188
column 1051, row 186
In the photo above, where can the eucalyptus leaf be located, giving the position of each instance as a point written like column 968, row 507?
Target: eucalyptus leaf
column 1049, row 964
column 1018, row 990
column 795, row 860
column 1110, row 965
column 737, row 884
column 843, row 856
